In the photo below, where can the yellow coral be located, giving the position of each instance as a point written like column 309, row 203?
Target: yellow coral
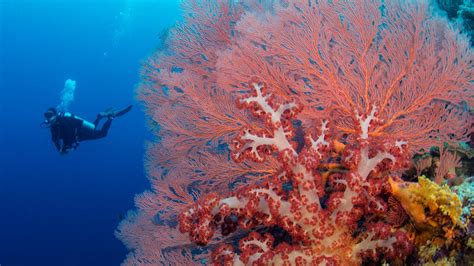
column 439, row 198
column 470, row 243
column 427, row 253
column 428, row 204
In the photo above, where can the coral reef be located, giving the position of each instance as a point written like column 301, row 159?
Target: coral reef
column 462, row 11
column 284, row 130
column 465, row 192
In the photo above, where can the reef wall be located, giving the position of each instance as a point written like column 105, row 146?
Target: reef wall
column 285, row 129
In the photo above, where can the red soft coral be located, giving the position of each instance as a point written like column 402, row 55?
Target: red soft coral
column 318, row 232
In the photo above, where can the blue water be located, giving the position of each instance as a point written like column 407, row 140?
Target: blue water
column 63, row 210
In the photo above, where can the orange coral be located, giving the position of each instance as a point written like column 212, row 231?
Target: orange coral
column 431, row 207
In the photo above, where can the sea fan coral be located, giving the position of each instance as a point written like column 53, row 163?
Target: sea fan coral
column 291, row 117
column 447, row 162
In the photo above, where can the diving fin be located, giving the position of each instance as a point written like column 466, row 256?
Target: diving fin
column 108, row 112
column 123, row 111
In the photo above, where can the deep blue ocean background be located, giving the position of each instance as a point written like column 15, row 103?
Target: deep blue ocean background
column 63, row 210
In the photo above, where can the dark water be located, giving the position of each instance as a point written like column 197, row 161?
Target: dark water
column 63, row 210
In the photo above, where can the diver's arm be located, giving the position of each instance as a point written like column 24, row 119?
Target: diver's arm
column 55, row 137
column 73, row 121
column 57, row 144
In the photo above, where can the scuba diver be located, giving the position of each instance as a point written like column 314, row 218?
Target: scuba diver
column 67, row 130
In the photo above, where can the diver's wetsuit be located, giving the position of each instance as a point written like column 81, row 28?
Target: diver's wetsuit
column 70, row 130
column 88, row 133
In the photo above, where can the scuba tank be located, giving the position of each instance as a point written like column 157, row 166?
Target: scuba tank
column 86, row 125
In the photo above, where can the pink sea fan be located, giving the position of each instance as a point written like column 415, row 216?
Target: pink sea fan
column 194, row 121
column 447, row 162
column 384, row 76
column 344, row 57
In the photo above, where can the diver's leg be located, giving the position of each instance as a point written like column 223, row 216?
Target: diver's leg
column 97, row 120
column 97, row 134
column 106, row 126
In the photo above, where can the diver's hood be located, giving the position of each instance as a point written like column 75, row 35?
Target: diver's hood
column 50, row 113
column 49, row 116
